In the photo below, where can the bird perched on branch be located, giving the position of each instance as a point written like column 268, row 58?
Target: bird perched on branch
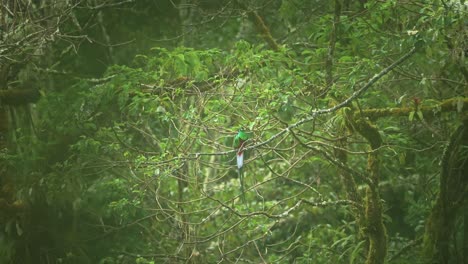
column 239, row 144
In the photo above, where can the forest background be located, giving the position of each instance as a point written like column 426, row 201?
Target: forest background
column 117, row 119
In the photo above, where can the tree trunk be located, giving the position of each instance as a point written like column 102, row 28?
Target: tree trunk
column 18, row 96
column 374, row 225
column 440, row 226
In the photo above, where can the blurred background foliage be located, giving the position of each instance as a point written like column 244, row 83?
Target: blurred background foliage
column 126, row 156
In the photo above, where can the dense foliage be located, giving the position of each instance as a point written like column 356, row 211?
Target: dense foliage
column 356, row 112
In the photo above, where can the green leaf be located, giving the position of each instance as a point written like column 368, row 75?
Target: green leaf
column 356, row 252
column 459, row 105
column 19, row 230
column 402, row 158
column 346, row 59
column 411, row 116
column 420, row 115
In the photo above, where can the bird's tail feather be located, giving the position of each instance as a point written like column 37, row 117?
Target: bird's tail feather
column 241, row 181
column 240, row 160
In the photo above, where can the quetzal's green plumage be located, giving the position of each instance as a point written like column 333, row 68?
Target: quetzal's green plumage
column 239, row 144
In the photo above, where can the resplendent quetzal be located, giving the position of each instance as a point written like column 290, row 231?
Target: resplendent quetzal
column 239, row 144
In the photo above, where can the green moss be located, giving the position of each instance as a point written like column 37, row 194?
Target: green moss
column 374, row 226
column 369, row 132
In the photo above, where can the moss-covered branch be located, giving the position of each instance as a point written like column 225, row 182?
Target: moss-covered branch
column 332, row 45
column 261, row 26
column 445, row 106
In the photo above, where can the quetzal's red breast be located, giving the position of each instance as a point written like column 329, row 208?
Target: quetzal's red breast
column 240, row 148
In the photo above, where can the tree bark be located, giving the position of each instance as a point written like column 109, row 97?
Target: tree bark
column 453, row 190
column 19, row 96
column 261, row 26
column 374, row 226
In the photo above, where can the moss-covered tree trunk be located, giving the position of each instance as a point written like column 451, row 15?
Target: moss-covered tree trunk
column 9, row 98
column 11, row 207
column 374, row 227
column 439, row 241
column 465, row 235
column 350, row 186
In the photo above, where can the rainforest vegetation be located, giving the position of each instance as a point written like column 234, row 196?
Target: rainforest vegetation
column 118, row 124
